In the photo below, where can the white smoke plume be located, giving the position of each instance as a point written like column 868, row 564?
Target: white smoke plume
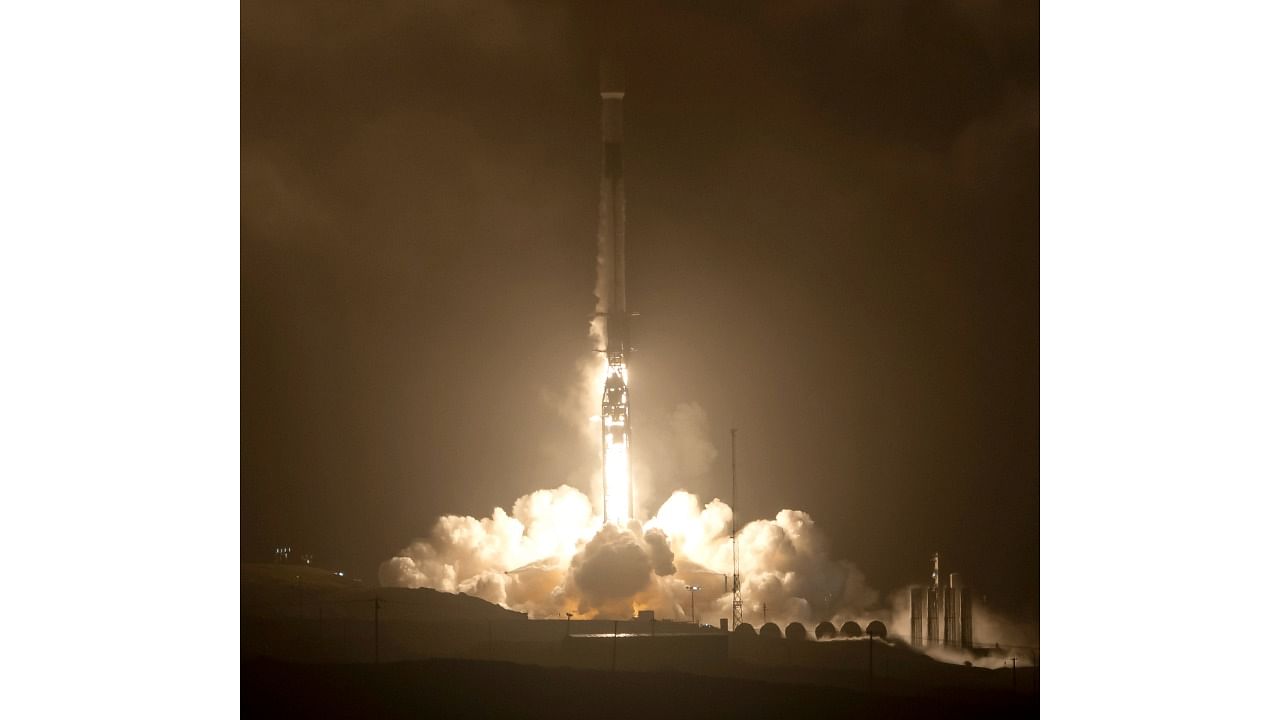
column 551, row 554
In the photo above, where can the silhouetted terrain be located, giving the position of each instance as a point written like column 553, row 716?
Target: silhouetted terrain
column 302, row 614
column 310, row 642
column 474, row 688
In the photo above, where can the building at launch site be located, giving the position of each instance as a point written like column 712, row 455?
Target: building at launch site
column 942, row 614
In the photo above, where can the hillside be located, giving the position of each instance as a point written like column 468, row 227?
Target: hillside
column 285, row 590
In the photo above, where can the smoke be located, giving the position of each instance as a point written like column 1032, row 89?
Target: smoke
column 611, row 568
column 551, row 554
column 660, row 554
column 678, row 449
column 512, row 559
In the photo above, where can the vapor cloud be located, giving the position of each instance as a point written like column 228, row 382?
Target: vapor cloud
column 551, row 554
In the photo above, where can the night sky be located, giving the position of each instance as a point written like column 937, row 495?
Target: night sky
column 833, row 238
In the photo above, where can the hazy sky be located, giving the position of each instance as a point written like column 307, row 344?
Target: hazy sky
column 833, row 243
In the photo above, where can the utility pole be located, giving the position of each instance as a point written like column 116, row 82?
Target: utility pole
column 736, row 612
column 871, row 650
column 615, row 646
column 377, row 650
column 693, row 612
column 1015, row 673
column 764, row 609
column 568, row 618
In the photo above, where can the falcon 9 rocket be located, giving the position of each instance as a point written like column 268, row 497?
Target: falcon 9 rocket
column 615, row 413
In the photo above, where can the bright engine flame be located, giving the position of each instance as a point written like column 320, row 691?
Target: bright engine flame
column 615, row 433
column 617, row 482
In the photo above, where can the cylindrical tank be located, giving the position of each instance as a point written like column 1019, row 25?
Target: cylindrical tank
column 877, row 629
column 851, row 629
column 824, row 630
column 933, row 605
column 796, row 631
column 744, row 629
column 917, row 616
column 951, row 624
column 770, row 630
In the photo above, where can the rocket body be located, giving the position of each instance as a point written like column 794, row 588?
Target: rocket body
column 613, row 212
column 615, row 412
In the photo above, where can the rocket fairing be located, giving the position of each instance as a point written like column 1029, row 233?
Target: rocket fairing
column 615, row 413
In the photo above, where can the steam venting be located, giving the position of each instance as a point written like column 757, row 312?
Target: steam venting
column 554, row 551
column 551, row 554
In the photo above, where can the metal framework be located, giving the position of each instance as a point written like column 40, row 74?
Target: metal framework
column 733, row 527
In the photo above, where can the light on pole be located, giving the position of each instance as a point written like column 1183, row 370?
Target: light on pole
column 692, row 611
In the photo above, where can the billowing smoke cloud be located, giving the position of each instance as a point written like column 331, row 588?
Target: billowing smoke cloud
column 609, row 570
column 551, row 554
column 660, row 555
column 517, row 559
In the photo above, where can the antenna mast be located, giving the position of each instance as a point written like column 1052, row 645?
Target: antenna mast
column 733, row 526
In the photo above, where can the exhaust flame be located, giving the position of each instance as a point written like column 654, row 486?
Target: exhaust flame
column 615, row 434
column 617, row 472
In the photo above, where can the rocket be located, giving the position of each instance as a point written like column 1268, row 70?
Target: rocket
column 613, row 212
column 615, row 413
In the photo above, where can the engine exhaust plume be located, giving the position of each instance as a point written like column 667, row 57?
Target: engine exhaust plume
column 551, row 554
